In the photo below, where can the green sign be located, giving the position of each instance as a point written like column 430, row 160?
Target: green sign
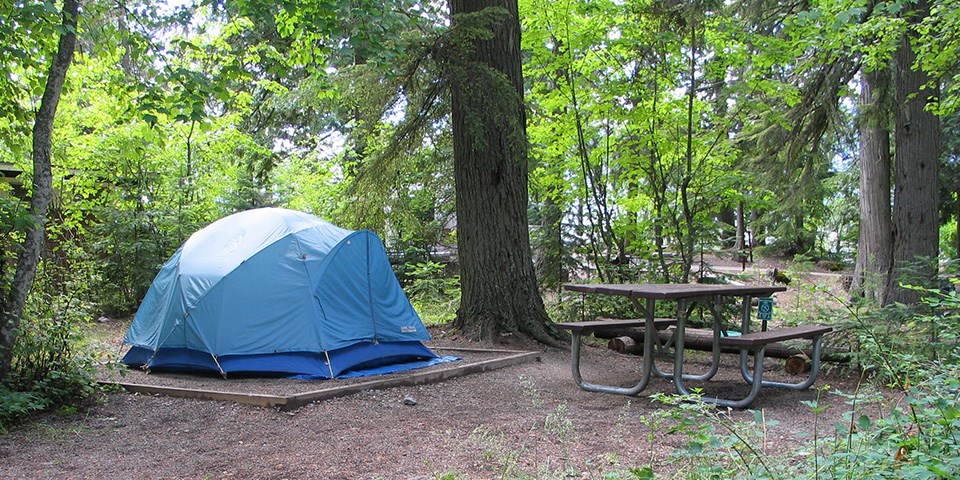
column 765, row 310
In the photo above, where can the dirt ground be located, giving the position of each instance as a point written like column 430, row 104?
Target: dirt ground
column 524, row 420
column 528, row 420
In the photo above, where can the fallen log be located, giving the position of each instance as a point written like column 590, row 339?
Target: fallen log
column 701, row 339
column 797, row 364
column 625, row 344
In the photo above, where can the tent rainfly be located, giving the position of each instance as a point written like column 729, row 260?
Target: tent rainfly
column 272, row 291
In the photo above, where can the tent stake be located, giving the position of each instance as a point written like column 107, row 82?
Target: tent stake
column 329, row 363
column 218, row 366
column 146, row 366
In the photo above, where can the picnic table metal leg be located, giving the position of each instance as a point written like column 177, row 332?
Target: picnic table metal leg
column 648, row 312
column 754, row 388
column 715, row 350
column 662, row 347
column 745, row 328
column 726, row 402
column 678, row 345
column 649, row 336
column 814, row 369
column 717, row 327
column 678, row 355
column 745, row 370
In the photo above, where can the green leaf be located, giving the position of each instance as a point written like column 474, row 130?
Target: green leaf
column 864, row 423
column 643, row 473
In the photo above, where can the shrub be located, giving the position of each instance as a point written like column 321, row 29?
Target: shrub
column 129, row 248
column 918, row 437
column 434, row 294
column 49, row 368
column 915, row 435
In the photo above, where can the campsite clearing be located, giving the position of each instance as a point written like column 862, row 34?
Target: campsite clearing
column 529, row 419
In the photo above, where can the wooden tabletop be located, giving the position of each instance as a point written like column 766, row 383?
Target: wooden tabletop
column 672, row 291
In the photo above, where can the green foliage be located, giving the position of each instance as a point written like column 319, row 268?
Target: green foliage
column 916, row 436
column 50, row 367
column 434, row 294
column 896, row 340
column 15, row 220
column 130, row 246
column 937, row 51
column 27, row 34
column 363, row 29
column 716, row 446
column 950, row 240
column 916, row 351
column 15, row 405
column 652, row 121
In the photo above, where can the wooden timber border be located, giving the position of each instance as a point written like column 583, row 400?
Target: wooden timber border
column 295, row 401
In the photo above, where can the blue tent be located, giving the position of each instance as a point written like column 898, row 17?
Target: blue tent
column 278, row 292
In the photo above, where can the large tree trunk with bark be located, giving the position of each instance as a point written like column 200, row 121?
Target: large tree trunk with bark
column 15, row 300
column 499, row 288
column 875, row 247
column 915, row 200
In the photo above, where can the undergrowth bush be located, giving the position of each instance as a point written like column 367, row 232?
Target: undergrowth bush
column 50, row 367
column 433, row 293
column 130, row 247
column 916, row 436
column 913, row 433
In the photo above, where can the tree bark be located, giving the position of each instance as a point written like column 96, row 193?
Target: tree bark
column 957, row 215
column 15, row 300
column 915, row 201
column 875, row 245
column 499, row 289
column 548, row 258
column 740, row 243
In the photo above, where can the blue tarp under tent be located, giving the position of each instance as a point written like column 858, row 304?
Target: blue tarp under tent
column 278, row 292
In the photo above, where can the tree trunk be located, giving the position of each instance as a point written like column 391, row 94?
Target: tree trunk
column 499, row 288
column 957, row 213
column 741, row 240
column 15, row 300
column 915, row 200
column 687, row 236
column 875, row 245
column 548, row 257
column 729, row 230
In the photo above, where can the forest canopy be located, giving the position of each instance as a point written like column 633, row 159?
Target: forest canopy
column 657, row 131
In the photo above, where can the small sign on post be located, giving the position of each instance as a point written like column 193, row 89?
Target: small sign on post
column 765, row 311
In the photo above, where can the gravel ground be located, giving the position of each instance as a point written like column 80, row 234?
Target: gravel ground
column 529, row 419
column 523, row 421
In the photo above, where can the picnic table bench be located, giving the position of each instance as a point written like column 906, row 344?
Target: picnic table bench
column 589, row 327
column 756, row 342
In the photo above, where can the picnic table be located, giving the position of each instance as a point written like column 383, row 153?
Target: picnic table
column 644, row 298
